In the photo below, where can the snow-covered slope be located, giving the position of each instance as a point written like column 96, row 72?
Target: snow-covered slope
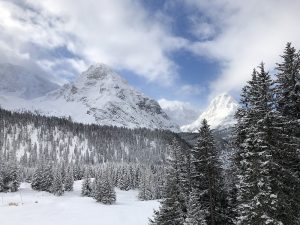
column 18, row 81
column 99, row 96
column 219, row 114
column 38, row 207
column 180, row 112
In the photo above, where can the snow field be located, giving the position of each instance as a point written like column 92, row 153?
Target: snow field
column 42, row 208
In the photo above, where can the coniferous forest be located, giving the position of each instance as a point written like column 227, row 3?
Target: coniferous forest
column 245, row 175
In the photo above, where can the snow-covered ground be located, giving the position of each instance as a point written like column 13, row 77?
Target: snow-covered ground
column 42, row 208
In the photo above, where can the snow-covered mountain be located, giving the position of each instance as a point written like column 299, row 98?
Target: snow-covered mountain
column 219, row 114
column 99, row 96
column 180, row 112
column 18, row 81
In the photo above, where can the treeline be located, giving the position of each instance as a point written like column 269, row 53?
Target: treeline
column 32, row 137
column 263, row 182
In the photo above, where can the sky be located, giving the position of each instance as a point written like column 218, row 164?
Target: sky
column 180, row 50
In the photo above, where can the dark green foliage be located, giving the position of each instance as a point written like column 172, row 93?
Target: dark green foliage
column 43, row 177
column 57, row 187
column 69, row 179
column 207, row 198
column 172, row 205
column 86, row 187
column 57, row 138
column 9, row 176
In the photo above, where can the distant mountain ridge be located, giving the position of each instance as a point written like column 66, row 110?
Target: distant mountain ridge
column 98, row 96
column 219, row 114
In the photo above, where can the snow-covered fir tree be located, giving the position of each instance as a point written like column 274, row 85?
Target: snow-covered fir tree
column 286, row 136
column 57, row 187
column 69, row 179
column 108, row 192
column 257, row 198
column 145, row 192
column 196, row 214
column 207, row 182
column 171, row 209
column 43, row 177
column 86, row 187
column 9, row 176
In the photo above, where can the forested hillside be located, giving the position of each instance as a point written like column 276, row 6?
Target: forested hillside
column 33, row 137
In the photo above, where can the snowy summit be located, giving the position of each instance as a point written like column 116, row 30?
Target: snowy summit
column 98, row 96
column 220, row 113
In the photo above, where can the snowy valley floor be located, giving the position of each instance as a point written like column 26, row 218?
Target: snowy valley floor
column 42, row 208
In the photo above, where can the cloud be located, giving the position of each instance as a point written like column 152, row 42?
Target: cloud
column 180, row 112
column 189, row 90
column 248, row 32
column 120, row 33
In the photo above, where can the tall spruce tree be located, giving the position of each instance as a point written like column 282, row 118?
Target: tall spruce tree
column 171, row 209
column 69, row 179
column 108, row 192
column 86, row 187
column 287, row 136
column 196, row 214
column 57, row 185
column 257, row 197
column 207, row 199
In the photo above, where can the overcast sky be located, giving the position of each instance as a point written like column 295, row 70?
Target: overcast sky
column 184, row 50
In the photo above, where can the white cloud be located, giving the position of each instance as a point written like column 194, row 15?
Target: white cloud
column 119, row 33
column 180, row 112
column 248, row 32
column 189, row 89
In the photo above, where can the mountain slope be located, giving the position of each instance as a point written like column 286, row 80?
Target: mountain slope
column 18, row 81
column 100, row 96
column 219, row 114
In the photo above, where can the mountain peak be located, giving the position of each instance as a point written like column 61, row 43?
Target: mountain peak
column 219, row 113
column 101, row 96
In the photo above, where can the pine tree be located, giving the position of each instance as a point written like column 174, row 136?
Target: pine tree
column 145, row 190
column 36, row 182
column 86, row 187
column 57, row 185
column 108, row 192
column 196, row 215
column 43, row 177
column 47, row 177
column 207, row 180
column 69, row 179
column 170, row 211
column 287, row 137
column 257, row 199
column 2, row 188
column 97, row 191
column 13, row 176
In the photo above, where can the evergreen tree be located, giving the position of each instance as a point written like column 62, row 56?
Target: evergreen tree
column 57, row 185
column 207, row 183
column 42, row 177
column 108, row 192
column 98, row 188
column 196, row 215
column 36, row 182
column 86, row 187
column 257, row 198
column 1, row 179
column 69, row 179
column 287, row 137
column 13, row 176
column 170, row 211
column 145, row 192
